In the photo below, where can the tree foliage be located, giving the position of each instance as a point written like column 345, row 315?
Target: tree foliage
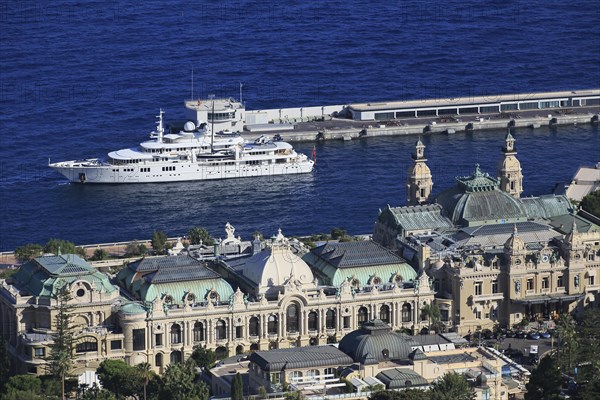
column 159, row 241
column 28, row 252
column 203, row 357
column 237, row 388
column 22, row 387
column 119, row 378
column 197, row 235
column 178, row 383
column 452, row 386
column 408, row 394
column 433, row 315
column 99, row 255
column 4, row 363
column 135, row 249
column 60, row 358
column 545, row 381
column 591, row 203
column 56, row 246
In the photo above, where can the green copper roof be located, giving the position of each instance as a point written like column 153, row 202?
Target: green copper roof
column 175, row 276
column 335, row 263
column 477, row 200
column 478, row 181
column 547, row 206
column 45, row 275
column 415, row 217
column 132, row 308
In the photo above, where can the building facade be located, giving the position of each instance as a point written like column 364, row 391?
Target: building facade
column 170, row 304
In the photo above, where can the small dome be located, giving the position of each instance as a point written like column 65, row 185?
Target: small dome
column 376, row 342
column 132, row 308
column 189, row 126
column 277, row 266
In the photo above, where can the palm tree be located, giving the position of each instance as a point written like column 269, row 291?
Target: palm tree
column 432, row 312
column 145, row 371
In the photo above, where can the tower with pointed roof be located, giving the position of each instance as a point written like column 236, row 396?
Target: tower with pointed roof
column 420, row 182
column 509, row 169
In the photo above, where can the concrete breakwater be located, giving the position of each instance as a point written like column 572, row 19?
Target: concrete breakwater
column 338, row 129
column 412, row 117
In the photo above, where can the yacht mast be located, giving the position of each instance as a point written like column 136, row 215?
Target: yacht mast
column 212, row 128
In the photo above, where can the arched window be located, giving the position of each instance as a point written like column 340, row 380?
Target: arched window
column 254, row 347
column 176, row 357
column 406, row 312
column 198, row 332
column 293, row 318
column 175, row 334
column 254, row 326
column 330, row 319
column 313, row 321
column 221, row 330
column 221, row 352
column 312, row 373
column 363, row 315
column 384, row 313
column 158, row 360
column 239, row 350
column 330, row 371
column 295, row 376
column 272, row 325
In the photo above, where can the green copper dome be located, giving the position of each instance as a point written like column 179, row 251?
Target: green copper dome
column 477, row 199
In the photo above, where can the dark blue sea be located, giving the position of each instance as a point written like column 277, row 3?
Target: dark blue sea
column 79, row 79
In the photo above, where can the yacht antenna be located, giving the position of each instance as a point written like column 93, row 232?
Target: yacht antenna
column 212, row 124
column 192, row 83
column 241, row 86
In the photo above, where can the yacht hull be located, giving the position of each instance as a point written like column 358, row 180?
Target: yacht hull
column 78, row 172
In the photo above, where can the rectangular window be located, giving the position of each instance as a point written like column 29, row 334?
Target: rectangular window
column 478, row 288
column 116, row 345
column 478, row 314
column 545, row 283
column 530, row 284
column 559, row 281
column 86, row 347
column 495, row 286
column 39, row 352
column 346, row 322
column 490, row 109
column 444, row 315
column 139, row 339
column 238, row 332
column 592, row 280
column 384, row 115
column 529, row 106
column 158, row 339
column 508, row 107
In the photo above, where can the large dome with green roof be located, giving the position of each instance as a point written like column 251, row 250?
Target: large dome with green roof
column 477, row 199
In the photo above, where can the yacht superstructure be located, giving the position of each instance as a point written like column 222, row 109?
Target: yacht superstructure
column 194, row 153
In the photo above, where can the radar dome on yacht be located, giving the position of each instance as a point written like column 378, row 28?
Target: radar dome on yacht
column 189, row 126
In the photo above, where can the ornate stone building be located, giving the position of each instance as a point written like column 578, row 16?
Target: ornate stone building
column 28, row 309
column 267, row 300
column 496, row 258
